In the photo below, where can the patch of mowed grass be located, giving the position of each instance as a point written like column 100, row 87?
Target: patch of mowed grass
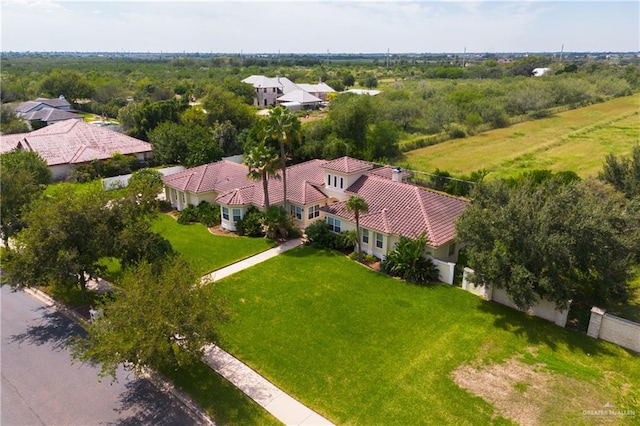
column 363, row 348
column 204, row 250
column 576, row 140
column 222, row 401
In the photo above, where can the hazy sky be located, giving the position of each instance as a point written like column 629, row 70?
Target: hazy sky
column 305, row 26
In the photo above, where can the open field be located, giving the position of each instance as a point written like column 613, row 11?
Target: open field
column 576, row 140
column 363, row 348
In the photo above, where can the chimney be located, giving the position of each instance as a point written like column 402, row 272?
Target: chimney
column 396, row 174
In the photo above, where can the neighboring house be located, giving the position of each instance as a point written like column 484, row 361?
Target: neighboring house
column 318, row 190
column 280, row 90
column 48, row 116
column 74, row 142
column 32, row 106
column 46, row 111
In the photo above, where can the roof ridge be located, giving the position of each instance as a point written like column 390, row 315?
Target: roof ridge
column 423, row 210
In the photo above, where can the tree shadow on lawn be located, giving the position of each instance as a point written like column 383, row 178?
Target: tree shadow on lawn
column 539, row 331
column 53, row 328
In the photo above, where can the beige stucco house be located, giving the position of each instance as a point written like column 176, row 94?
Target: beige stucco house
column 72, row 142
column 318, row 190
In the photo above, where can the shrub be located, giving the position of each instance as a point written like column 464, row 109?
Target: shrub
column 345, row 241
column 319, row 235
column 188, row 215
column 251, row 224
column 408, row 262
column 208, row 214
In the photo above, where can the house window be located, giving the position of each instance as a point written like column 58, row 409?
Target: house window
column 334, row 224
column 236, row 215
column 175, row 195
column 265, row 90
column 296, row 211
column 225, row 213
column 314, row 211
column 274, row 90
column 341, row 183
column 265, row 102
column 452, row 249
column 335, row 181
column 184, row 197
column 365, row 236
column 328, row 180
column 378, row 240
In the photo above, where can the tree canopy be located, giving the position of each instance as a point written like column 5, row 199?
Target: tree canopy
column 156, row 317
column 24, row 176
column 559, row 240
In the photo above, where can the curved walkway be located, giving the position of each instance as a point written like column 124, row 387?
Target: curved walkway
column 282, row 406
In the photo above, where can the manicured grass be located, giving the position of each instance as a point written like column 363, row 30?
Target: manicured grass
column 363, row 348
column 224, row 403
column 205, row 251
column 576, row 140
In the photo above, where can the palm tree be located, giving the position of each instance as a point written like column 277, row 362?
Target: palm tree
column 263, row 162
column 282, row 125
column 357, row 205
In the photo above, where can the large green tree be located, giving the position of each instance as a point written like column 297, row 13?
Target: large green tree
column 24, row 176
column 70, row 84
column 65, row 237
column 357, row 205
column 157, row 316
column 188, row 145
column 559, row 240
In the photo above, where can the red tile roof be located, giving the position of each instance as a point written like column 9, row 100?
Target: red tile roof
column 74, row 142
column 230, row 181
column 347, row 165
column 403, row 209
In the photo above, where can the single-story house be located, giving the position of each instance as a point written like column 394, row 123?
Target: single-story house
column 73, row 142
column 46, row 111
column 31, row 106
column 318, row 190
column 280, row 90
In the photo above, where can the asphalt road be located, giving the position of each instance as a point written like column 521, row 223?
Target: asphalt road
column 42, row 386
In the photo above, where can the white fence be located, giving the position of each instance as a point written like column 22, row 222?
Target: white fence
column 544, row 308
column 446, row 270
column 614, row 329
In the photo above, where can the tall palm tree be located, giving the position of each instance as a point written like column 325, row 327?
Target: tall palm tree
column 282, row 126
column 357, row 205
column 263, row 163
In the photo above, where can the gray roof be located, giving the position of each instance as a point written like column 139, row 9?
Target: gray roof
column 299, row 96
column 48, row 115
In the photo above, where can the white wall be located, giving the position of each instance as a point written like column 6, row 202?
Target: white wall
column 543, row 308
column 614, row 329
column 446, row 270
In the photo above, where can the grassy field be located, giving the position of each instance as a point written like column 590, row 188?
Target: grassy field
column 576, row 140
column 205, row 251
column 362, row 348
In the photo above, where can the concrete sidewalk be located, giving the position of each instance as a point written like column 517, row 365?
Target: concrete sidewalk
column 282, row 406
column 250, row 261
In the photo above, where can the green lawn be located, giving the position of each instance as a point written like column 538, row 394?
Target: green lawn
column 362, row 348
column 576, row 140
column 205, row 251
